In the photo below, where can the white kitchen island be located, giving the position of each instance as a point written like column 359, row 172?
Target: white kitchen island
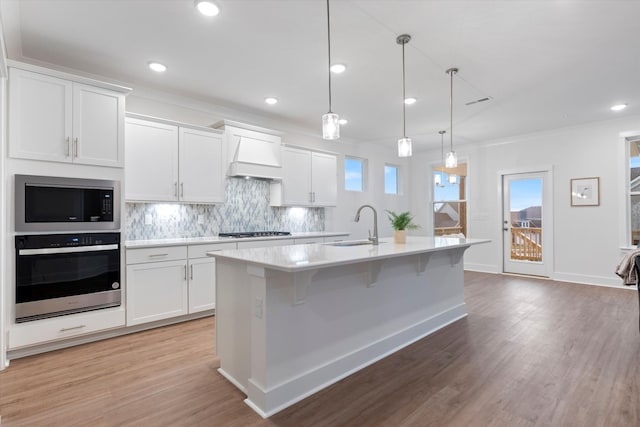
column 291, row 320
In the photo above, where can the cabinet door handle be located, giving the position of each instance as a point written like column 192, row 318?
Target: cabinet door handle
column 314, row 197
column 75, row 147
column 73, row 328
column 157, row 255
column 185, row 272
column 68, row 146
column 182, row 189
column 175, row 189
column 191, row 277
column 310, row 196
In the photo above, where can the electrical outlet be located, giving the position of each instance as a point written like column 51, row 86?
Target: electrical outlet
column 200, row 219
column 148, row 219
column 259, row 307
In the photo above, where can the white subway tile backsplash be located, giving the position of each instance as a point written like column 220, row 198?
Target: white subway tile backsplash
column 246, row 209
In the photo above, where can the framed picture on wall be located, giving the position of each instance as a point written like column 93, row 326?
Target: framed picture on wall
column 585, row 191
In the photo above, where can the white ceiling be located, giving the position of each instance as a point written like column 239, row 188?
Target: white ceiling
column 545, row 63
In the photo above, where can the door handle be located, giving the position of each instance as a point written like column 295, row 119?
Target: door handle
column 68, row 146
column 75, row 147
column 185, row 272
column 182, row 189
column 175, row 189
column 191, row 277
column 506, row 229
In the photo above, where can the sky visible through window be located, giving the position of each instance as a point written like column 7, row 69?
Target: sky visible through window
column 635, row 162
column 390, row 179
column 353, row 174
column 525, row 193
column 448, row 191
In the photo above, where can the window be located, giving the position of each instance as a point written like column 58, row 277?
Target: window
column 354, row 172
column 391, row 179
column 634, row 190
column 449, row 200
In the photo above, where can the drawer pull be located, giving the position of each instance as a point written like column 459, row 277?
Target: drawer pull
column 157, row 255
column 73, row 328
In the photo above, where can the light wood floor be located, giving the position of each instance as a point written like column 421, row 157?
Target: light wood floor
column 531, row 353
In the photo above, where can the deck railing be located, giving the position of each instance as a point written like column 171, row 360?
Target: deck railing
column 526, row 243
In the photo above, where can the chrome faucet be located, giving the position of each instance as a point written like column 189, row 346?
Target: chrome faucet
column 373, row 239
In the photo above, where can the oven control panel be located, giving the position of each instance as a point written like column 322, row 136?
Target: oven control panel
column 39, row 241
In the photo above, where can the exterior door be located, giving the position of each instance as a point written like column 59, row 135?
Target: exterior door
column 526, row 220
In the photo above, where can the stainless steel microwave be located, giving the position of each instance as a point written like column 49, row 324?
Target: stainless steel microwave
column 47, row 203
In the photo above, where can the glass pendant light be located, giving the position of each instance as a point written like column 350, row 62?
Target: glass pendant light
column 438, row 178
column 404, row 143
column 453, row 178
column 330, row 124
column 452, row 157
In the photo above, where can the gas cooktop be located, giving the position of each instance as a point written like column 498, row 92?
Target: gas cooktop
column 241, row 234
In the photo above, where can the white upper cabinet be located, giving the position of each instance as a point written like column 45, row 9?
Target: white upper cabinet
column 170, row 163
column 151, row 161
column 59, row 120
column 201, row 166
column 309, row 179
column 324, row 179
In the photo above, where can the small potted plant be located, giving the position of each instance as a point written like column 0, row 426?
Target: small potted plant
column 401, row 223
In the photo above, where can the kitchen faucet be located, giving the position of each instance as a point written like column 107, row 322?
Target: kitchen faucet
column 373, row 239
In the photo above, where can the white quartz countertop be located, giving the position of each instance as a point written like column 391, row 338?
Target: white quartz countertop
column 215, row 239
column 306, row 257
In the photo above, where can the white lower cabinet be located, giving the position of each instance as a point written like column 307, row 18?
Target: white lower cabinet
column 170, row 281
column 63, row 327
column 156, row 291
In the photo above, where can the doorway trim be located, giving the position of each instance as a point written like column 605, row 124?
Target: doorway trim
column 547, row 215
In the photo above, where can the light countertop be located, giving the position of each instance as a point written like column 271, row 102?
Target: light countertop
column 215, row 239
column 305, row 257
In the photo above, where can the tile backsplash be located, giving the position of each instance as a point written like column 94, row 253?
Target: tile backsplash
column 246, row 209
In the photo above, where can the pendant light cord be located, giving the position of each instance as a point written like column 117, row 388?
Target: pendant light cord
column 404, row 104
column 329, row 45
column 451, row 71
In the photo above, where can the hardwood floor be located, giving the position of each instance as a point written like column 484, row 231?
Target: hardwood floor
column 531, row 353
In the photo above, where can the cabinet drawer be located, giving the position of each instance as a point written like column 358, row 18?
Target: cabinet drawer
column 200, row 251
column 163, row 253
column 57, row 328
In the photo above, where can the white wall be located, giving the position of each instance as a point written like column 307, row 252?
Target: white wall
column 340, row 218
column 587, row 240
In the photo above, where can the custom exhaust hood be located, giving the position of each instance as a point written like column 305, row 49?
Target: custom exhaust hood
column 252, row 151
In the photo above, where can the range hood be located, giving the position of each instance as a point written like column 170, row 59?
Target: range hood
column 252, row 151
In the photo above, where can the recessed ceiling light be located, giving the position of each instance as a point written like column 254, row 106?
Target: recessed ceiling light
column 207, row 7
column 343, row 121
column 157, row 67
column 410, row 101
column 619, row 107
column 338, row 68
column 271, row 100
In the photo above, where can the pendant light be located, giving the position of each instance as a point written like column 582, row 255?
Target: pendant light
column 404, row 143
column 452, row 158
column 330, row 124
column 438, row 178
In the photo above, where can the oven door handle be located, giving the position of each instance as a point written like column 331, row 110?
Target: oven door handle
column 74, row 249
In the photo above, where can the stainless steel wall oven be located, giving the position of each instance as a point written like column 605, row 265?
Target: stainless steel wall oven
column 58, row 274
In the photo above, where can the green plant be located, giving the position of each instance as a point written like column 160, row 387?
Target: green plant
column 401, row 221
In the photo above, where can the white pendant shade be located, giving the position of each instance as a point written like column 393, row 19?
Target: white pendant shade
column 404, row 147
column 437, row 180
column 453, row 178
column 451, row 161
column 330, row 126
